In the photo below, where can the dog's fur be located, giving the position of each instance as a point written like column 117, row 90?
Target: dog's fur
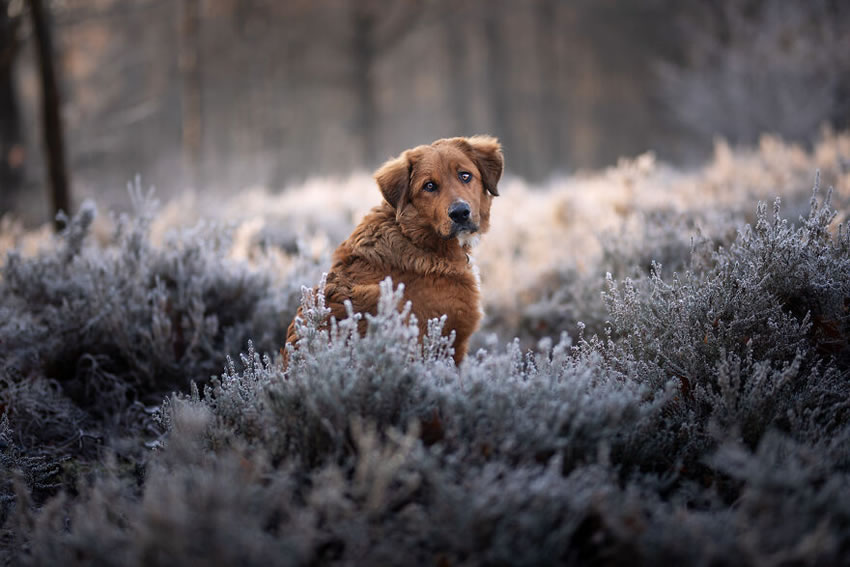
column 411, row 237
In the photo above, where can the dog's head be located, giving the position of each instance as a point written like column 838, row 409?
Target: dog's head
column 446, row 187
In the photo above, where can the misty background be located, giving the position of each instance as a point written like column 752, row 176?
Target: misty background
column 223, row 95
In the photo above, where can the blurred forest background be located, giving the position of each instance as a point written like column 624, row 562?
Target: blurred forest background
column 220, row 95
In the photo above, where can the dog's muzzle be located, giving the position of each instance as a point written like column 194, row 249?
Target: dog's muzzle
column 461, row 216
column 459, row 212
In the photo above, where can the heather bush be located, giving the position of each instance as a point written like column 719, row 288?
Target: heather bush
column 749, row 339
column 346, row 454
column 93, row 334
column 694, row 413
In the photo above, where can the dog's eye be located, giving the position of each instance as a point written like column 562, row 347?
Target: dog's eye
column 464, row 176
column 430, row 187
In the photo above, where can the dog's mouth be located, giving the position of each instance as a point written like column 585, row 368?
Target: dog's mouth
column 461, row 229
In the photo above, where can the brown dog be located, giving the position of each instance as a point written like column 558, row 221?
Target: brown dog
column 437, row 198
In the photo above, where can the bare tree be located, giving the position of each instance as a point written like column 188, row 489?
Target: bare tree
column 51, row 111
column 191, row 110
column 549, row 109
column 378, row 28
column 497, row 83
column 455, row 22
column 11, row 144
column 365, row 53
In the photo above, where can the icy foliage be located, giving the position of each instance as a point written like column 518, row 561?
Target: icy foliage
column 93, row 334
column 699, row 417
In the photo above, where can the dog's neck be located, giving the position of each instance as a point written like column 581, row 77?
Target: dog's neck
column 420, row 239
column 468, row 241
column 423, row 237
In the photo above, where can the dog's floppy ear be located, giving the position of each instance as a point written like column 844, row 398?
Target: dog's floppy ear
column 394, row 180
column 486, row 152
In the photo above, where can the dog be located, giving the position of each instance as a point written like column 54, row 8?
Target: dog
column 436, row 203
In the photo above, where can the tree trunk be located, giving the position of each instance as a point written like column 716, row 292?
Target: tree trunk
column 51, row 112
column 549, row 110
column 497, row 82
column 11, row 144
column 364, row 81
column 191, row 110
column 456, row 43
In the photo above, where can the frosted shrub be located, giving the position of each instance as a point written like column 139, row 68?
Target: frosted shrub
column 752, row 338
column 695, row 414
column 150, row 317
column 378, row 449
column 392, row 380
column 94, row 334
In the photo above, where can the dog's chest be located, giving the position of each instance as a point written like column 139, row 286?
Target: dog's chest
column 457, row 297
column 476, row 276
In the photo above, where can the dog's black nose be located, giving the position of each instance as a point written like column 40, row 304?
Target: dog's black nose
column 459, row 212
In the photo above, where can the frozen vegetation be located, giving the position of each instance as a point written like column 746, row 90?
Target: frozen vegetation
column 662, row 377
